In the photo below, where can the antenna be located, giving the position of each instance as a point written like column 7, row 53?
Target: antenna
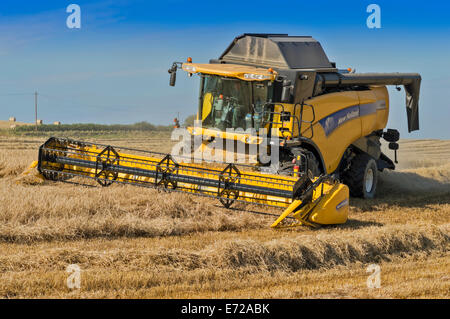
column 35, row 109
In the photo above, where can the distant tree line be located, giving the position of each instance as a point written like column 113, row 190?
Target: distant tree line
column 141, row 126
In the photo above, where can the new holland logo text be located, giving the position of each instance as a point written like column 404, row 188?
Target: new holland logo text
column 348, row 116
column 333, row 121
column 342, row 204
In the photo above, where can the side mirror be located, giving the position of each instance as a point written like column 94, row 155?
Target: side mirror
column 173, row 74
column 286, row 91
column 173, row 78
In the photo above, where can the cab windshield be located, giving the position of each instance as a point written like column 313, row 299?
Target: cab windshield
column 232, row 103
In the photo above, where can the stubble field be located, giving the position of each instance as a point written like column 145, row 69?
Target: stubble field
column 133, row 242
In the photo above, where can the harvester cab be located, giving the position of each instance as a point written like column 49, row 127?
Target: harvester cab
column 309, row 134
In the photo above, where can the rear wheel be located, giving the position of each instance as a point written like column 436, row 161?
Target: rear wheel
column 362, row 176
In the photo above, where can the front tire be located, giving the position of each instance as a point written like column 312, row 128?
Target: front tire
column 287, row 166
column 362, row 176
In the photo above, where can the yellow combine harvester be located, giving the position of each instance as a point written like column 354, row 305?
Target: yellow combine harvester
column 322, row 127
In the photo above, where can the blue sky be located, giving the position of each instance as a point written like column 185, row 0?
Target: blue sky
column 114, row 69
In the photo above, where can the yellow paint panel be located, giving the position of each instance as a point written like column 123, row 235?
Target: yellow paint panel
column 207, row 105
column 381, row 93
column 333, row 207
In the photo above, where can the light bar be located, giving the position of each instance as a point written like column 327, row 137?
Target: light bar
column 252, row 76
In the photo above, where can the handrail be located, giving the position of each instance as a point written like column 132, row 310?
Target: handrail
column 292, row 116
column 282, row 113
column 311, row 123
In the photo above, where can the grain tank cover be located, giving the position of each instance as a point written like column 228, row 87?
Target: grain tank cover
column 277, row 50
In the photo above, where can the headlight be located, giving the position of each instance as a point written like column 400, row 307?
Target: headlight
column 190, row 68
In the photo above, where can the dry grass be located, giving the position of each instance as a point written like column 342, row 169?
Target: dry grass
column 137, row 242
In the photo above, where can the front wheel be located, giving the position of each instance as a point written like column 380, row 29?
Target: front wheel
column 362, row 176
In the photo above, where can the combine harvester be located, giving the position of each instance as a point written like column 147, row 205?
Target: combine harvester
column 324, row 123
